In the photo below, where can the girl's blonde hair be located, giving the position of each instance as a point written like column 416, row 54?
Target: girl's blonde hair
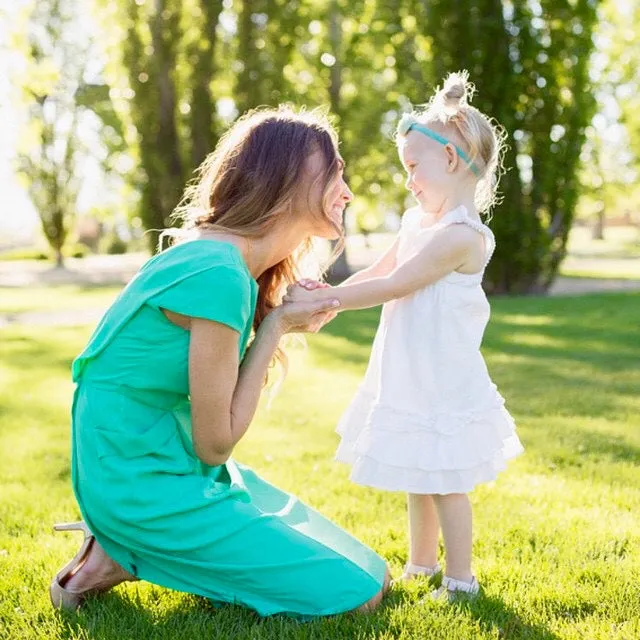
column 247, row 186
column 481, row 137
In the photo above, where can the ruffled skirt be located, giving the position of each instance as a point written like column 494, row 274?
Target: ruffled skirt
column 440, row 453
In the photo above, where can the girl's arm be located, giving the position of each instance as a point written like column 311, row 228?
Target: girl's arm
column 381, row 267
column 446, row 251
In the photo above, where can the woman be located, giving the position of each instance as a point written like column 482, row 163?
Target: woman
column 165, row 390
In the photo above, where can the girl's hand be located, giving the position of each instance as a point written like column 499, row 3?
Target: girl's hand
column 307, row 317
column 296, row 292
column 300, row 293
column 310, row 285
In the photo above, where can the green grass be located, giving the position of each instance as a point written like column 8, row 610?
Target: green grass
column 557, row 537
column 60, row 298
column 617, row 255
column 621, row 242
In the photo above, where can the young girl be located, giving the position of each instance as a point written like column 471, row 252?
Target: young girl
column 427, row 419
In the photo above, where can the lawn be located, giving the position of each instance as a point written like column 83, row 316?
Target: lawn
column 55, row 299
column 617, row 255
column 557, row 537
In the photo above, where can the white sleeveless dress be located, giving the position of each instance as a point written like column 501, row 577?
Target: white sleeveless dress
column 427, row 418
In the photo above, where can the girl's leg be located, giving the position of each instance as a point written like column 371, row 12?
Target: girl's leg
column 454, row 512
column 423, row 530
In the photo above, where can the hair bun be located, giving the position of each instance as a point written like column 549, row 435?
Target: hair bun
column 456, row 92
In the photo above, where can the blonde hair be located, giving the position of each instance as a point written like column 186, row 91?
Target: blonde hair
column 248, row 184
column 480, row 136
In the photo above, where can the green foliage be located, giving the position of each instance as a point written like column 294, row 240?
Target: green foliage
column 116, row 245
column 167, row 56
column 47, row 161
column 58, row 99
column 530, row 62
column 611, row 156
column 557, row 542
column 180, row 71
column 625, row 62
column 24, row 254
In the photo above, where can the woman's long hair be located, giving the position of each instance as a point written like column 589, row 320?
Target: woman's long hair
column 249, row 182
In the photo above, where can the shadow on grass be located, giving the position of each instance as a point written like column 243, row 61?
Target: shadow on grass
column 495, row 617
column 114, row 617
column 571, row 447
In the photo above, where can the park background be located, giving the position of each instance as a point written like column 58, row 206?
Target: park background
column 106, row 108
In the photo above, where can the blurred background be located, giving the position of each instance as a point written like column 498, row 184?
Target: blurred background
column 107, row 106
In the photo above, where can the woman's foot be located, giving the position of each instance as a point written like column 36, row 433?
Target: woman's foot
column 90, row 571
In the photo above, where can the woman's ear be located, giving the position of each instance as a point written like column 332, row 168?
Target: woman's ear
column 452, row 157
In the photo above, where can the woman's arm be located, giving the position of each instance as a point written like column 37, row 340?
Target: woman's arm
column 445, row 252
column 224, row 395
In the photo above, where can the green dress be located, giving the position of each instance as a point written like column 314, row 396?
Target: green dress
column 221, row 532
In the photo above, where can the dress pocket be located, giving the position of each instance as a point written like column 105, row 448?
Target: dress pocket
column 157, row 447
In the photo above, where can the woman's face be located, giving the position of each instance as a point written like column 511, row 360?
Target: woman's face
column 324, row 204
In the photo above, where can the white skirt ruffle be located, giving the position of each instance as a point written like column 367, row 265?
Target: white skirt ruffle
column 442, row 453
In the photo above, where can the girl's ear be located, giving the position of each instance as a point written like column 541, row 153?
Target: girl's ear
column 452, row 157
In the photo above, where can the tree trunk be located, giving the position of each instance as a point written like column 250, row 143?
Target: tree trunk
column 59, row 259
column 340, row 269
column 203, row 106
column 598, row 227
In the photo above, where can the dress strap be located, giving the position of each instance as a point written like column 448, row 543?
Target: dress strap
column 459, row 215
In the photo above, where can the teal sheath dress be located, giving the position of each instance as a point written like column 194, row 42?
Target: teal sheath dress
column 220, row 532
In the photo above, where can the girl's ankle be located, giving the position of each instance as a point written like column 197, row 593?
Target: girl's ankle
column 460, row 576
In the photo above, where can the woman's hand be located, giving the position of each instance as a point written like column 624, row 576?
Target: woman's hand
column 307, row 317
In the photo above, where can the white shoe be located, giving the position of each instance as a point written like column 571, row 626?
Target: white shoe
column 412, row 571
column 453, row 589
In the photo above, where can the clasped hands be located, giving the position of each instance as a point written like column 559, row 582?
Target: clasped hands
column 302, row 291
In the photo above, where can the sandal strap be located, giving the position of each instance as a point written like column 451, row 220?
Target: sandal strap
column 72, row 526
column 419, row 570
column 451, row 584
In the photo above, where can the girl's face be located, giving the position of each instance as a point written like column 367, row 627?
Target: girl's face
column 326, row 202
column 431, row 170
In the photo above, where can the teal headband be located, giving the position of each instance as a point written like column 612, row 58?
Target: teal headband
column 409, row 123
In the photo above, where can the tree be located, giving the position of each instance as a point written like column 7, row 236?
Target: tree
column 201, row 39
column 48, row 159
column 530, row 63
column 611, row 154
column 166, row 67
column 192, row 66
column 358, row 49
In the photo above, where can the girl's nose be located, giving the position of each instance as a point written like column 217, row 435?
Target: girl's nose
column 407, row 184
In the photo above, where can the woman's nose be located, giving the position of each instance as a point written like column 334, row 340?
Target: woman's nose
column 347, row 194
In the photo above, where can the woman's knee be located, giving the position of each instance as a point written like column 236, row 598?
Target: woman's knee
column 372, row 603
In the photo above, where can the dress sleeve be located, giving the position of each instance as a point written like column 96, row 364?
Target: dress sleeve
column 221, row 293
column 409, row 219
